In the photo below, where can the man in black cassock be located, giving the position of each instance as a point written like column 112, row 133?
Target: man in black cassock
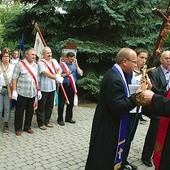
column 110, row 118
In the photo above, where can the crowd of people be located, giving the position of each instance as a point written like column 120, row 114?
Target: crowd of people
column 30, row 86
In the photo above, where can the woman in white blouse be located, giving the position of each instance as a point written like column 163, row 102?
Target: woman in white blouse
column 6, row 71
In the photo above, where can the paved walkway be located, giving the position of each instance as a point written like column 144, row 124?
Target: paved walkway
column 58, row 148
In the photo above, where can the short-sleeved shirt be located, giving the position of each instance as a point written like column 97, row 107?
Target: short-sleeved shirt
column 25, row 83
column 47, row 84
column 73, row 69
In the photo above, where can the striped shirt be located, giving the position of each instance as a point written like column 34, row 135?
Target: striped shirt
column 47, row 84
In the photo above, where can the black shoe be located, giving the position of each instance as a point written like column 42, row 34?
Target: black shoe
column 130, row 167
column 61, row 123
column 147, row 162
column 71, row 121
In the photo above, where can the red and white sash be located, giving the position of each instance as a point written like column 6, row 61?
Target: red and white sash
column 49, row 67
column 72, row 82
column 51, row 71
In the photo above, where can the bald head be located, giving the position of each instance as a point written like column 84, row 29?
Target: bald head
column 125, row 53
column 47, row 53
column 127, row 59
column 45, row 49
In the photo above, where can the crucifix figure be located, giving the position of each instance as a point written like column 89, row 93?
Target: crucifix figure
column 144, row 83
column 143, row 86
column 166, row 26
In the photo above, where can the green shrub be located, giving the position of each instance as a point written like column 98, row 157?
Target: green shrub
column 89, row 86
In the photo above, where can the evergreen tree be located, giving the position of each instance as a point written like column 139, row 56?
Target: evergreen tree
column 99, row 28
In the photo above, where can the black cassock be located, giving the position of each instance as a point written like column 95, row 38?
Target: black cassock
column 106, row 121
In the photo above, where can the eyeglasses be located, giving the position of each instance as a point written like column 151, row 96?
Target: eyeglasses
column 167, row 58
column 134, row 62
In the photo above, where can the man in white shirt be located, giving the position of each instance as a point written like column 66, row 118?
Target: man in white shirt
column 50, row 72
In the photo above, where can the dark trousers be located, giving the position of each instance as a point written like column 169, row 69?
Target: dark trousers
column 61, row 102
column 150, row 139
column 133, row 120
column 13, row 103
column 45, row 108
column 23, row 103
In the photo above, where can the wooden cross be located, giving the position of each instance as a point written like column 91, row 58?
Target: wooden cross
column 144, row 83
column 166, row 26
column 144, row 71
column 163, row 32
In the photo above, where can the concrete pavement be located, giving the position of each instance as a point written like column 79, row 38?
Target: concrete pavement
column 58, row 148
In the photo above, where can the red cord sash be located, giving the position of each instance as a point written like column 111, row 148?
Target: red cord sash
column 161, row 137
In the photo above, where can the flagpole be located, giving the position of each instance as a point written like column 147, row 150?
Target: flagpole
column 42, row 38
column 44, row 43
column 21, row 46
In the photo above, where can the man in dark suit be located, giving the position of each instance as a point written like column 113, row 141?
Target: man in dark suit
column 109, row 124
column 159, row 79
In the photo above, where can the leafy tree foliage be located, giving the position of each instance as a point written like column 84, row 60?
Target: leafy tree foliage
column 7, row 12
column 99, row 28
